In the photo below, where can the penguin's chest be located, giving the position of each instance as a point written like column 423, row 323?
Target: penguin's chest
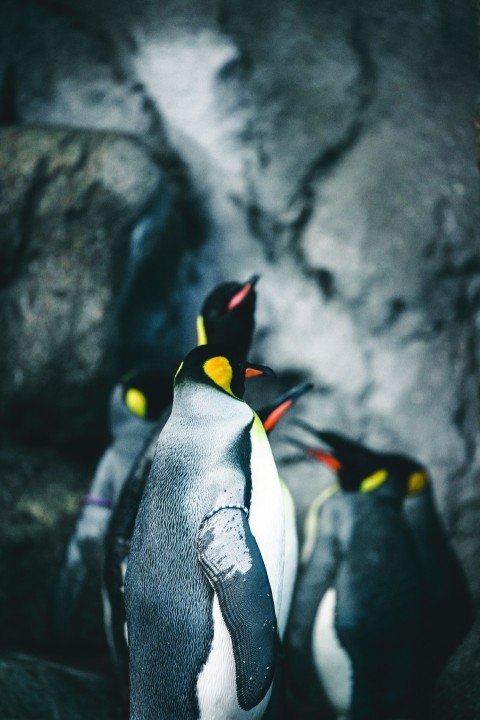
column 267, row 511
column 216, row 686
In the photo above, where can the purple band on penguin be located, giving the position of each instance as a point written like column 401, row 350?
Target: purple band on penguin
column 98, row 501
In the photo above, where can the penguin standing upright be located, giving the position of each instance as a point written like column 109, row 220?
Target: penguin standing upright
column 356, row 621
column 449, row 611
column 135, row 404
column 227, row 315
column 203, row 588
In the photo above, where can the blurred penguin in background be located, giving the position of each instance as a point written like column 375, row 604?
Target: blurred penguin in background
column 353, row 647
column 449, row 605
column 135, row 404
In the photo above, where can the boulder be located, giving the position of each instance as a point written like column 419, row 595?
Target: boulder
column 69, row 203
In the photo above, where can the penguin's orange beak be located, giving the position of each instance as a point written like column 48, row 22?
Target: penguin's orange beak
column 276, row 414
column 271, row 414
column 325, row 458
column 254, row 370
column 240, row 296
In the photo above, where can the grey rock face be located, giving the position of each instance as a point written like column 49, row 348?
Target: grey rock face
column 68, row 203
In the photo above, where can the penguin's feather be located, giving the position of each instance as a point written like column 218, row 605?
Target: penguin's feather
column 229, row 556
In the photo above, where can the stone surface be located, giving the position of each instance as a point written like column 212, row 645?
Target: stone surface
column 68, row 204
column 331, row 149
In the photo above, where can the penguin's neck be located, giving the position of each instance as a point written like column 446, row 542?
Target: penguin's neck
column 206, row 403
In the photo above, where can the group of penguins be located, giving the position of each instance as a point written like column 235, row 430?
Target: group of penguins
column 212, row 609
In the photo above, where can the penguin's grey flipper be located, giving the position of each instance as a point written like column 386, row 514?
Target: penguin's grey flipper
column 231, row 560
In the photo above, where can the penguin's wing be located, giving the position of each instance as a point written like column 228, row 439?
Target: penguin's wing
column 231, row 560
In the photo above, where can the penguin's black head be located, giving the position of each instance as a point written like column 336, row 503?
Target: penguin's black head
column 147, row 391
column 227, row 316
column 413, row 475
column 360, row 469
column 352, row 462
column 217, row 367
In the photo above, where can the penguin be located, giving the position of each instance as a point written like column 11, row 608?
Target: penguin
column 203, row 587
column 449, row 608
column 118, row 544
column 353, row 640
column 135, row 403
column 226, row 315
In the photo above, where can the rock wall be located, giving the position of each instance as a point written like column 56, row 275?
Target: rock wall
column 330, row 147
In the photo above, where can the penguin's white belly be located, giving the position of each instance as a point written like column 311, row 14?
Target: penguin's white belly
column 332, row 663
column 267, row 512
column 290, row 559
column 216, row 685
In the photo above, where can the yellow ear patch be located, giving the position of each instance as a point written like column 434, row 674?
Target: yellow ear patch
column 372, row 482
column 416, row 482
column 201, row 332
column 136, row 402
column 220, row 371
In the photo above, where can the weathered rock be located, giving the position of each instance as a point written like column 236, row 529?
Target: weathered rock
column 68, row 202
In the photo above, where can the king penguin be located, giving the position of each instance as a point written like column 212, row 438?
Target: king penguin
column 353, row 641
column 449, row 611
column 135, row 404
column 226, row 315
column 203, row 587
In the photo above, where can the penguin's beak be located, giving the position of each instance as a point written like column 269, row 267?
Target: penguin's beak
column 240, row 296
column 271, row 414
column 254, row 370
column 320, row 455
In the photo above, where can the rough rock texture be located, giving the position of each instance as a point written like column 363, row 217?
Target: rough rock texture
column 68, row 202
column 332, row 149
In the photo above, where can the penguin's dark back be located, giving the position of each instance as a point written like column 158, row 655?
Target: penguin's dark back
column 199, row 462
column 380, row 599
column 449, row 611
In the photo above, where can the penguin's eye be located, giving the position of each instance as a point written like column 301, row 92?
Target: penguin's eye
column 417, row 482
column 136, row 402
column 220, row 371
column 372, row 482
